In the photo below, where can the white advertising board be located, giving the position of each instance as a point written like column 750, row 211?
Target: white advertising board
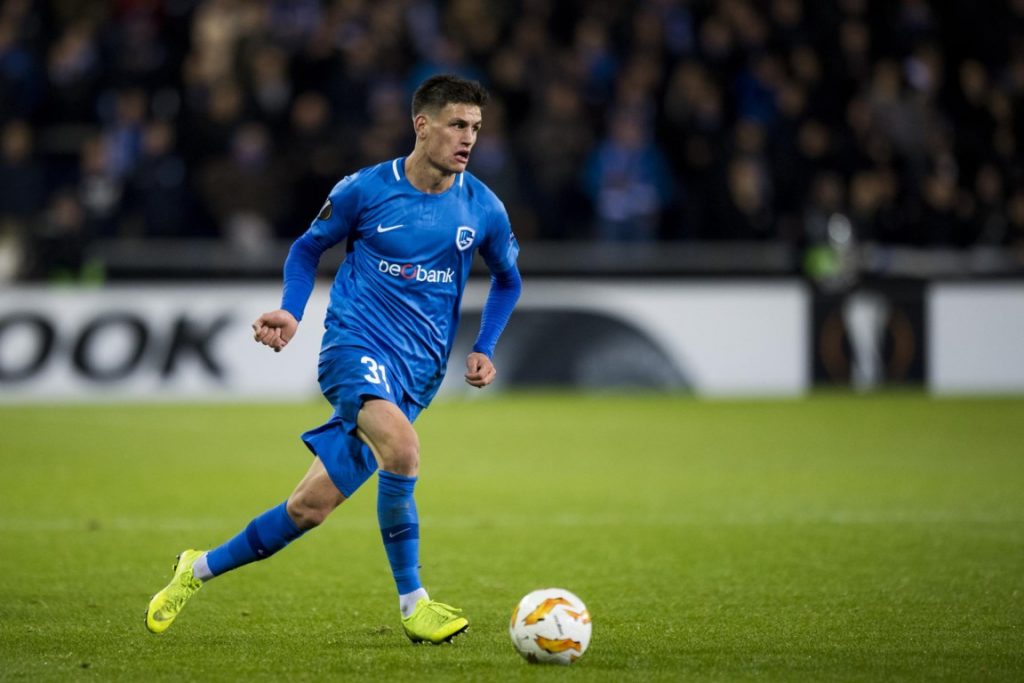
column 713, row 338
column 976, row 338
column 150, row 343
column 194, row 342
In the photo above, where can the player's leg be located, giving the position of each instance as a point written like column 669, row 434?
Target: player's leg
column 395, row 445
column 310, row 503
column 313, row 499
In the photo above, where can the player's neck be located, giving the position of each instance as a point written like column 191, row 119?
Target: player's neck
column 426, row 177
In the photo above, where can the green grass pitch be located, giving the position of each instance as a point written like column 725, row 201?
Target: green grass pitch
column 839, row 537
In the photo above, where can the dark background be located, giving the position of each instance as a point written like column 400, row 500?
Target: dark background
column 837, row 135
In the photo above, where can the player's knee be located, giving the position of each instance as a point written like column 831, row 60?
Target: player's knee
column 307, row 513
column 403, row 457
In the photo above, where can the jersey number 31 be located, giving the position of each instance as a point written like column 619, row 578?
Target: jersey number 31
column 378, row 374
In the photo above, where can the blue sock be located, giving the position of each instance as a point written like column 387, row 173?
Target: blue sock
column 399, row 528
column 264, row 536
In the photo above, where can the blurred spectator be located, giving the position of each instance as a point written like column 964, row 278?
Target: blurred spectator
column 218, row 27
column 446, row 56
column 696, row 127
column 989, row 220
column 58, row 243
column 756, row 88
column 245, row 189
column 159, row 188
column 596, row 62
column 292, row 22
column 122, row 132
column 22, row 195
column 972, row 110
column 555, row 144
column 142, row 54
column 901, row 119
column 628, row 181
column 269, row 86
column 747, row 214
column 100, row 189
column 938, row 222
column 21, row 85
column 853, row 65
column 74, row 69
column 315, row 157
column 872, row 210
column 827, row 201
column 215, row 113
column 22, row 175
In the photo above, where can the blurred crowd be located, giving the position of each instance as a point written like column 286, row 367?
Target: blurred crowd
column 610, row 120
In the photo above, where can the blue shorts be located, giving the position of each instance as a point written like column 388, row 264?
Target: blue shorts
column 349, row 376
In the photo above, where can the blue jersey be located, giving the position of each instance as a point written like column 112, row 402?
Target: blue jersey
column 400, row 287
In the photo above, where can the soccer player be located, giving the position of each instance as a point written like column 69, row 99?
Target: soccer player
column 411, row 226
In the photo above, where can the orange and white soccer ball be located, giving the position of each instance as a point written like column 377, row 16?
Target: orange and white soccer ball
column 550, row 626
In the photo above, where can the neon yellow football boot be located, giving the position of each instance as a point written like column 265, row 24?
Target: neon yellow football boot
column 166, row 604
column 434, row 622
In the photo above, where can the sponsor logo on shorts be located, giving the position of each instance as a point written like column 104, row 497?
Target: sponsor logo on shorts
column 416, row 272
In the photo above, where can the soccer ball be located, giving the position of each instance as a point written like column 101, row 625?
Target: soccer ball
column 550, row 626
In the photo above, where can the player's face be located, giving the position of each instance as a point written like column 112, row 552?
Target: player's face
column 450, row 135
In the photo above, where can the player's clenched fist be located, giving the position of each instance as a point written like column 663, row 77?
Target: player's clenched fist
column 479, row 370
column 275, row 329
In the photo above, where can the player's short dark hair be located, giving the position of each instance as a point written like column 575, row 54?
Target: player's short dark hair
column 438, row 91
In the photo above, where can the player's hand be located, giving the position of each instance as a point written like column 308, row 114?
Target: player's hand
column 479, row 370
column 275, row 329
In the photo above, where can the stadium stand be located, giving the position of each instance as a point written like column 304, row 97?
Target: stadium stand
column 796, row 131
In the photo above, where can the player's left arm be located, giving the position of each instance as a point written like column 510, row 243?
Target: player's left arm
column 506, row 286
column 500, row 252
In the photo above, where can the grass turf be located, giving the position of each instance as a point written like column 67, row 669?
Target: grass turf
column 833, row 538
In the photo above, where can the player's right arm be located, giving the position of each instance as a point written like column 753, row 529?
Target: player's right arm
column 275, row 328
column 333, row 224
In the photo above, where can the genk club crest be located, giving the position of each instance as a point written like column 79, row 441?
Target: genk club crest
column 464, row 237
